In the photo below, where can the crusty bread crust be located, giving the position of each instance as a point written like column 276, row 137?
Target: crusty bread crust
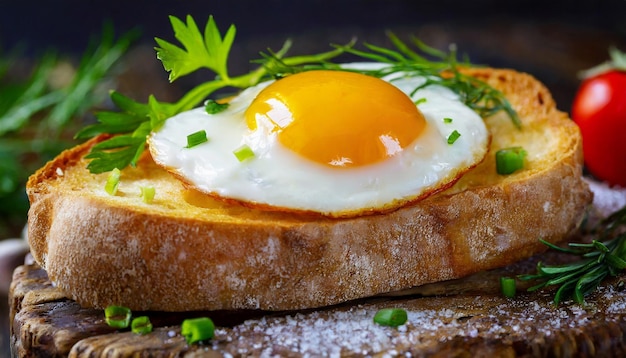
column 185, row 251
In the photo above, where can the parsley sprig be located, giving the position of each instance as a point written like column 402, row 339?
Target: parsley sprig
column 135, row 120
column 210, row 50
column 604, row 256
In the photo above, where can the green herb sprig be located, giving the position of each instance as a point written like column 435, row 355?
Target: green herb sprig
column 436, row 66
column 604, row 256
column 135, row 120
column 210, row 50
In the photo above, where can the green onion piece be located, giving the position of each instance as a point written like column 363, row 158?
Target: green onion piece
column 447, row 120
column 141, row 325
column 213, row 107
column 113, row 182
column 453, row 137
column 509, row 160
column 508, row 286
column 147, row 193
column 420, row 101
column 244, row 152
column 392, row 317
column 117, row 316
column 196, row 138
column 197, row 329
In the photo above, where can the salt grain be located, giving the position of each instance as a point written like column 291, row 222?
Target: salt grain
column 607, row 199
column 351, row 331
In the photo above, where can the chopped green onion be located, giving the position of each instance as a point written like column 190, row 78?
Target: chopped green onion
column 392, row 317
column 447, row 120
column 117, row 316
column 508, row 286
column 244, row 152
column 113, row 182
column 197, row 329
column 141, row 325
column 213, row 107
column 509, row 160
column 453, row 137
column 420, row 101
column 196, row 138
column 147, row 193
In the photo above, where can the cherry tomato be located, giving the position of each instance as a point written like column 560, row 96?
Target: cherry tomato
column 599, row 109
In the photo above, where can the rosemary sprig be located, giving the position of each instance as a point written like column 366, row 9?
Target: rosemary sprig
column 604, row 256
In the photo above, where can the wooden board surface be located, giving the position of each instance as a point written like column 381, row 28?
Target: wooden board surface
column 461, row 318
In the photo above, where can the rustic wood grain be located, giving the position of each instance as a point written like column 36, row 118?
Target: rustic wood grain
column 458, row 321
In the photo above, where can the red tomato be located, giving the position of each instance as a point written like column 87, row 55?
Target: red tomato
column 599, row 109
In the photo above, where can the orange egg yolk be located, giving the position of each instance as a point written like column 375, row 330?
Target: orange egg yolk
column 338, row 118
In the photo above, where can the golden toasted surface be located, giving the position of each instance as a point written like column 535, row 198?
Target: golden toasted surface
column 185, row 251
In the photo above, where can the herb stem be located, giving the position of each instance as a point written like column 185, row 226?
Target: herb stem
column 604, row 256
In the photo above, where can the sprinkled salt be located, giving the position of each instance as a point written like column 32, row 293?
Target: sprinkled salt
column 432, row 321
column 607, row 199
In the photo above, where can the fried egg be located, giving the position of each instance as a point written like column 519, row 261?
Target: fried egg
column 337, row 143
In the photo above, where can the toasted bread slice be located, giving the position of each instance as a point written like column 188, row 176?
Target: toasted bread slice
column 186, row 251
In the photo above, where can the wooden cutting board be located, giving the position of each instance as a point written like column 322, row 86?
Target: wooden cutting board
column 461, row 318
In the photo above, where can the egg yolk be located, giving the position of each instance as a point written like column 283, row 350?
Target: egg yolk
column 337, row 118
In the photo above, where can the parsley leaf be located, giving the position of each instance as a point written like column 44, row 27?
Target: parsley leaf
column 210, row 51
column 116, row 152
column 134, row 122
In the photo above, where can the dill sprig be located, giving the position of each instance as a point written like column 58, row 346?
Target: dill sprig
column 436, row 66
column 210, row 50
column 603, row 256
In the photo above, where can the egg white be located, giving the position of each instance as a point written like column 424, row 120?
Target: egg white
column 280, row 178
